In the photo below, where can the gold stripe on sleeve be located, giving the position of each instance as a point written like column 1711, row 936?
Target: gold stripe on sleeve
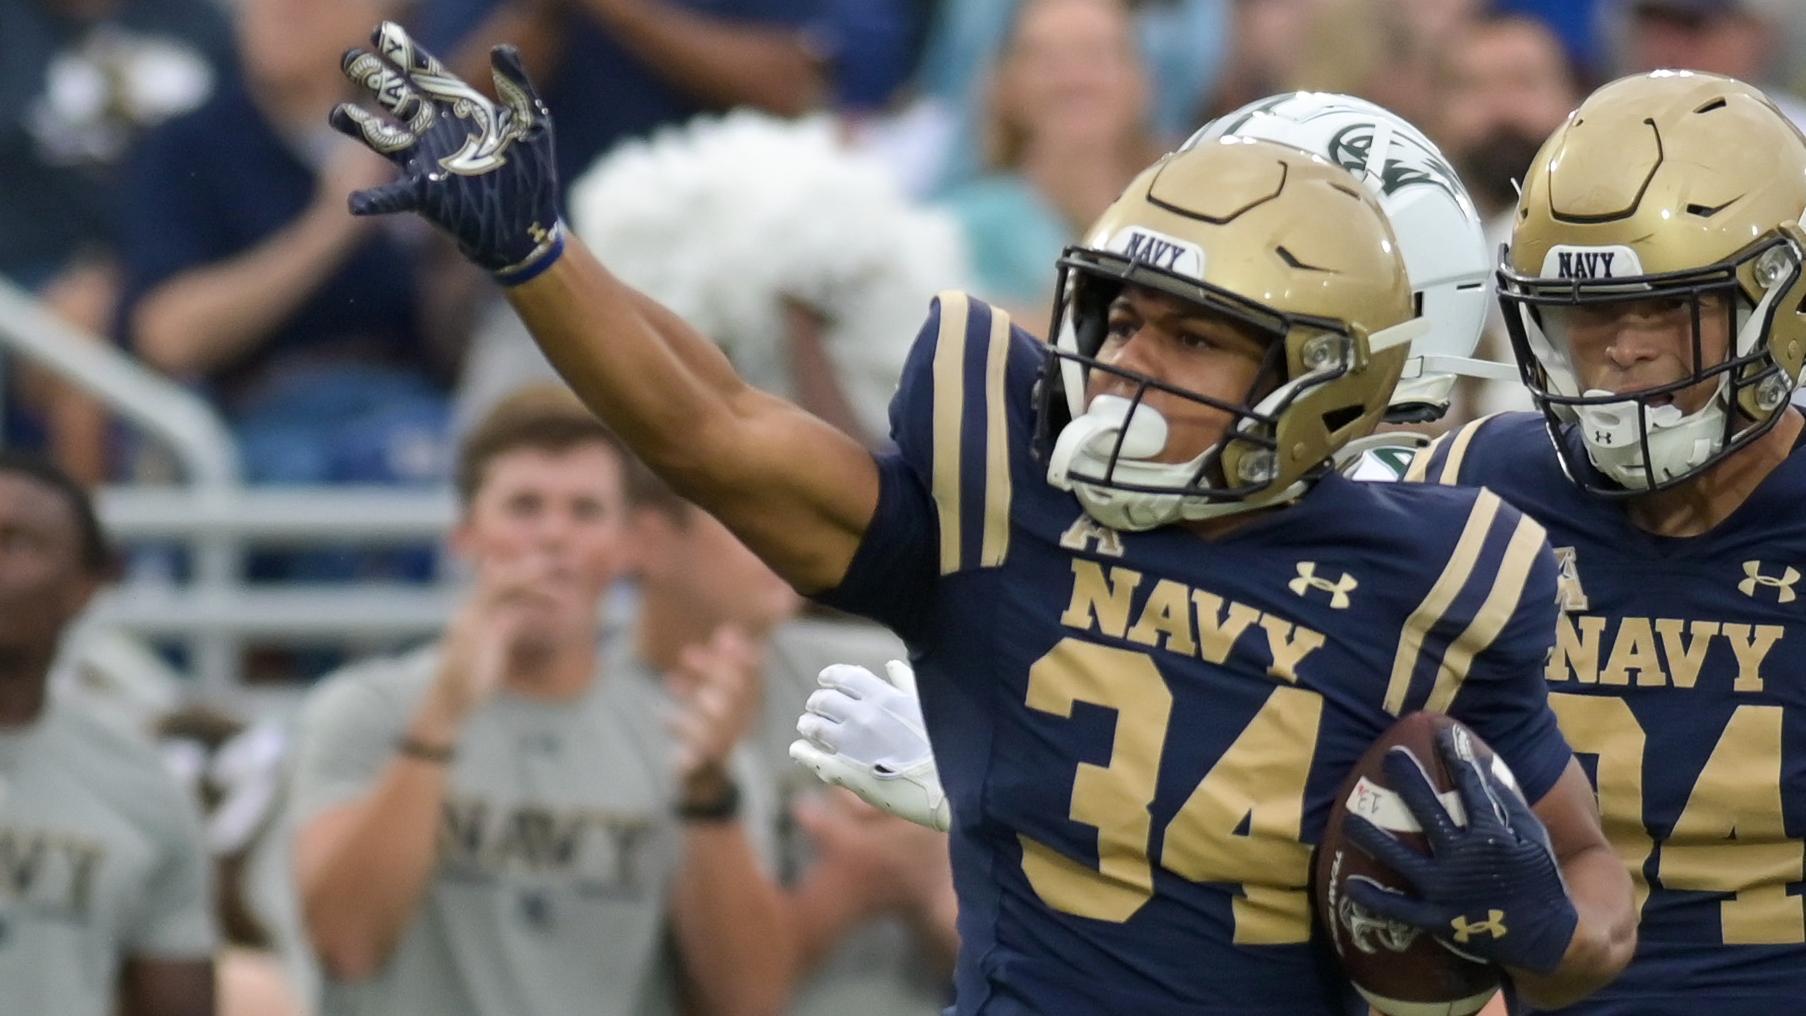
column 1420, row 463
column 949, row 404
column 1451, row 466
column 997, row 449
column 1500, row 604
column 1448, row 585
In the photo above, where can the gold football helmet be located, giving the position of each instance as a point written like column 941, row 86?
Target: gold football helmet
column 1674, row 192
column 1277, row 239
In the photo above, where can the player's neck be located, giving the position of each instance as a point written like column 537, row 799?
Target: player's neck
column 24, row 678
column 1223, row 525
column 1699, row 505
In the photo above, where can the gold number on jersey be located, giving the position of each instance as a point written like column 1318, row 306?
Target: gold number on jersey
column 1258, row 784
column 1113, row 798
column 1260, row 779
column 1605, row 727
column 1738, row 797
column 1730, row 837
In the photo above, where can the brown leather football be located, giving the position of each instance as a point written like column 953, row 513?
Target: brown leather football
column 1400, row 970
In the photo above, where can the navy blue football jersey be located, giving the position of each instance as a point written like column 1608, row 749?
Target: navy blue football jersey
column 1141, row 733
column 1672, row 679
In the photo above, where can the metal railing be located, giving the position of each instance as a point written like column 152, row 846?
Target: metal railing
column 217, row 518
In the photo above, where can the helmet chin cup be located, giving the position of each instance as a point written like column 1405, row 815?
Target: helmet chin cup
column 1616, row 433
column 1089, row 439
column 1086, row 447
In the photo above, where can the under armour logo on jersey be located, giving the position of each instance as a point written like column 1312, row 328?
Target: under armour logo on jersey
column 1086, row 533
column 1494, row 925
column 1782, row 585
column 1569, row 595
column 1308, row 579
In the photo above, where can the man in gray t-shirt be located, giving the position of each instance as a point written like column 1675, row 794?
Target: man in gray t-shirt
column 556, row 849
column 105, row 902
column 509, row 824
column 890, row 883
column 869, row 896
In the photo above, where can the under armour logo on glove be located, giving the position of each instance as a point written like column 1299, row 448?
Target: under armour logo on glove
column 1465, row 929
column 483, row 172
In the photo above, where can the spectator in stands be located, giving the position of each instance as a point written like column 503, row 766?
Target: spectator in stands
column 107, row 876
column 720, row 221
column 234, row 772
column 1738, row 38
column 1577, row 23
column 495, row 824
column 82, row 81
column 616, row 69
column 869, row 896
column 1262, row 53
column 1381, row 50
column 1067, row 131
column 1505, row 85
column 1184, row 43
column 310, row 328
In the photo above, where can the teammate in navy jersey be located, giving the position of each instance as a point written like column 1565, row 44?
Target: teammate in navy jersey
column 1152, row 630
column 1654, row 293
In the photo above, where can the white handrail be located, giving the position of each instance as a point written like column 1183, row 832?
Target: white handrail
column 162, row 408
column 249, row 515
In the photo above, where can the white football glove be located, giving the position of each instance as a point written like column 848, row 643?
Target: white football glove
column 866, row 734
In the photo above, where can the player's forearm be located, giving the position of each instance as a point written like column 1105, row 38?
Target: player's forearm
column 676, row 402
column 664, row 388
column 208, row 316
column 731, row 924
column 722, row 63
column 1604, row 937
column 361, row 889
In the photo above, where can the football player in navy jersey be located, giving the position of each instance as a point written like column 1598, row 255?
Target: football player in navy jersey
column 1654, row 294
column 1152, row 629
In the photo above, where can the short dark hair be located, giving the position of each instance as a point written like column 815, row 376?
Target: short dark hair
column 544, row 417
column 96, row 553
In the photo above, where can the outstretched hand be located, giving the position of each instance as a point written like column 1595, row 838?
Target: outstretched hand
column 482, row 171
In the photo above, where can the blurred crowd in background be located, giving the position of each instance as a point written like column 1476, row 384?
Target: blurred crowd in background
column 796, row 177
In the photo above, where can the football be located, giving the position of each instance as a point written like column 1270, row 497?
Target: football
column 1400, row 970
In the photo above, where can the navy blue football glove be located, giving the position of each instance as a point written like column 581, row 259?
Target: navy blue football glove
column 483, row 172
column 1491, row 890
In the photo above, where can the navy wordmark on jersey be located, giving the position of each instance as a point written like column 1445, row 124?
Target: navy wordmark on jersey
column 1677, row 675
column 1141, row 732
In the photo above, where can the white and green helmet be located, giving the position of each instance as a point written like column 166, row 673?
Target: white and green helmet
column 1438, row 229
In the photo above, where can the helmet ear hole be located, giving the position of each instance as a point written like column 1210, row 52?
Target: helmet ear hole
column 1335, row 419
column 1091, row 312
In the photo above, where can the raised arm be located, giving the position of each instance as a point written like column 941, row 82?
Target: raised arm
column 793, row 488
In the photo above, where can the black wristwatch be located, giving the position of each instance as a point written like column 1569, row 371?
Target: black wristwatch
column 724, row 806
